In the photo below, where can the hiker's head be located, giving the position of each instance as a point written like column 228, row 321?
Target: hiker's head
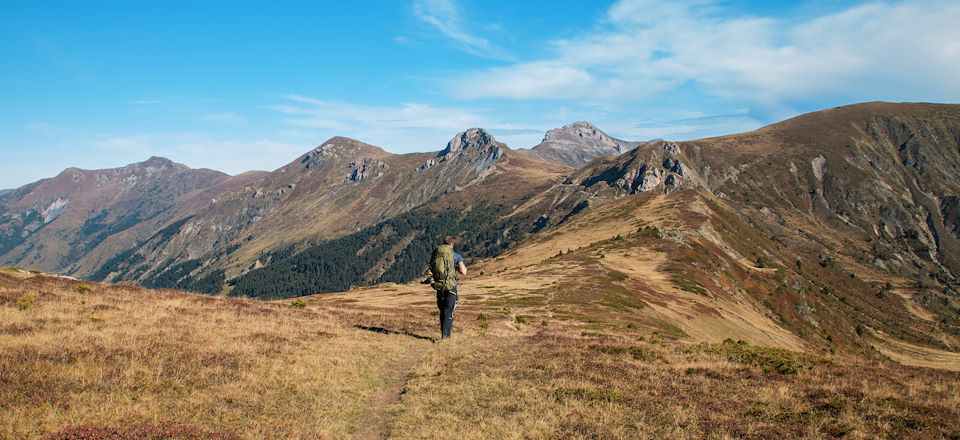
column 449, row 240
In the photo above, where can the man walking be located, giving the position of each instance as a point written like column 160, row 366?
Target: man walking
column 444, row 265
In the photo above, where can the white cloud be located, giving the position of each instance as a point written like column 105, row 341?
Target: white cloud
column 686, row 129
column 400, row 128
column 445, row 16
column 908, row 50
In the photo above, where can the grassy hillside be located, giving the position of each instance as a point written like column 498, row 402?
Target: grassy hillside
column 87, row 359
column 649, row 295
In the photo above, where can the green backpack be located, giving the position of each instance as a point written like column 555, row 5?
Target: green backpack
column 441, row 267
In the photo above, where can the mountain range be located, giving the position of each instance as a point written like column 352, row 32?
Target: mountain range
column 813, row 228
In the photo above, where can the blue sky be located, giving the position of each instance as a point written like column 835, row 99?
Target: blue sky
column 237, row 85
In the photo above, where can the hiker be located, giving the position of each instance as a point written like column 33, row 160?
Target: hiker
column 444, row 265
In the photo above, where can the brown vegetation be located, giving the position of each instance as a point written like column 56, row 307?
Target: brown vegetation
column 122, row 362
column 127, row 360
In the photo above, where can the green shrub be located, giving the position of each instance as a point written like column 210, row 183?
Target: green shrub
column 636, row 353
column 23, row 303
column 769, row 359
column 435, row 313
column 83, row 288
column 484, row 323
column 520, row 319
column 298, row 303
column 761, row 262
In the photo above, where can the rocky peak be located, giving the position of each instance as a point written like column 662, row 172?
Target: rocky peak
column 157, row 161
column 159, row 164
column 582, row 135
column 579, row 129
column 579, row 143
column 473, row 139
column 474, row 149
column 339, row 147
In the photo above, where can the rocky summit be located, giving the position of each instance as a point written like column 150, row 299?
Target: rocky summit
column 577, row 144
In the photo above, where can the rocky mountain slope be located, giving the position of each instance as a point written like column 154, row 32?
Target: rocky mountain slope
column 74, row 221
column 337, row 189
column 838, row 227
column 577, row 144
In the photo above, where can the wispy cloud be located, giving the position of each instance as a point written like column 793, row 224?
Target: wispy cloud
column 446, row 17
column 687, row 128
column 642, row 49
column 200, row 150
column 403, row 127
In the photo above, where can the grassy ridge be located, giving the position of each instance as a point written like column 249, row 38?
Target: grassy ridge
column 78, row 358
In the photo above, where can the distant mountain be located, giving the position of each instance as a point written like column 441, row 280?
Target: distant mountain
column 577, row 144
column 80, row 217
column 5, row 191
column 337, row 189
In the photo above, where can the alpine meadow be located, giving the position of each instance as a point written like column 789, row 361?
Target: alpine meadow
column 393, row 220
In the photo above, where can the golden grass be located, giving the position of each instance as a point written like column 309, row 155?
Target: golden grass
column 554, row 385
column 122, row 358
column 118, row 356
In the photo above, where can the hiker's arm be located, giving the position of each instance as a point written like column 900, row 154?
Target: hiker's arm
column 462, row 268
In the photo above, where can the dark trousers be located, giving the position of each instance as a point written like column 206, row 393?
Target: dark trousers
column 446, row 302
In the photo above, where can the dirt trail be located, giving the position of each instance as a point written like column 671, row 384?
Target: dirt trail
column 381, row 405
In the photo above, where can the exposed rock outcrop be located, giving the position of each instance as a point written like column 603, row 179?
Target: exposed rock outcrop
column 475, row 148
column 360, row 170
column 651, row 167
column 579, row 143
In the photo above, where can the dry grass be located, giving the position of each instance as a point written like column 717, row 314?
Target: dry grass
column 554, row 385
column 120, row 361
column 118, row 357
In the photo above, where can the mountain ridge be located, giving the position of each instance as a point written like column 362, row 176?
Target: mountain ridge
column 868, row 187
column 52, row 222
column 338, row 188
